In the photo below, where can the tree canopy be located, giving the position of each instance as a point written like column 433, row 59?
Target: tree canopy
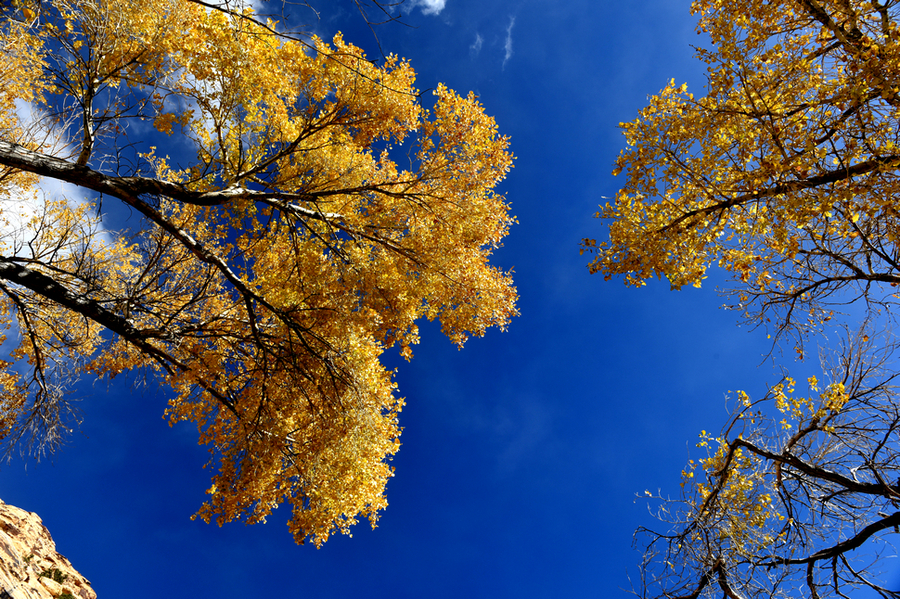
column 307, row 211
column 785, row 174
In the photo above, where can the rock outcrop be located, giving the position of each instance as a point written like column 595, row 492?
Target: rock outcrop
column 30, row 566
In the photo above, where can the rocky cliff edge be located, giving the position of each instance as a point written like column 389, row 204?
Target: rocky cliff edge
column 30, row 566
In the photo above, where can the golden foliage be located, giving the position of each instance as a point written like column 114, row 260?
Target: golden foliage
column 274, row 266
column 784, row 173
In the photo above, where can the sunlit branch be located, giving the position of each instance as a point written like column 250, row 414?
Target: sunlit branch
column 861, row 168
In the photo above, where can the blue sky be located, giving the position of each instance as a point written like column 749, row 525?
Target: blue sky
column 523, row 453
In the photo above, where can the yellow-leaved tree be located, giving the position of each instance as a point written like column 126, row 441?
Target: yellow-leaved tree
column 785, row 173
column 281, row 250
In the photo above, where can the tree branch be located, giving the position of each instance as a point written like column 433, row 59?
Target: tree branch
column 840, row 174
column 52, row 290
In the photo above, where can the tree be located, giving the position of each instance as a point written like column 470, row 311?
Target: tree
column 280, row 251
column 795, row 497
column 785, row 174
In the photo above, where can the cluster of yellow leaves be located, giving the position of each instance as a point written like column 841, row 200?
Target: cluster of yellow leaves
column 736, row 494
column 805, row 410
column 266, row 307
column 790, row 157
column 21, row 67
column 738, row 485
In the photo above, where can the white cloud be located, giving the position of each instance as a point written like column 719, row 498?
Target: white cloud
column 429, row 7
column 38, row 127
column 507, row 45
column 21, row 209
column 475, row 48
column 236, row 5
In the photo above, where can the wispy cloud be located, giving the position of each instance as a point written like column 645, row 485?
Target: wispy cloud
column 508, row 45
column 21, row 209
column 430, row 7
column 475, row 48
column 39, row 128
column 525, row 430
column 256, row 5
